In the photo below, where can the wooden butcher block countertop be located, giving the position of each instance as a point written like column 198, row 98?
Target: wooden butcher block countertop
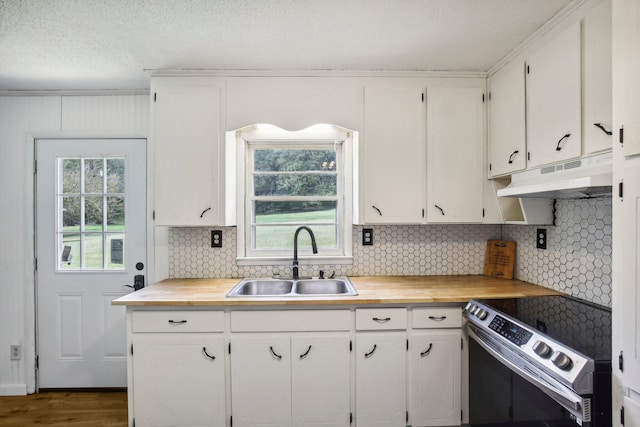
column 371, row 290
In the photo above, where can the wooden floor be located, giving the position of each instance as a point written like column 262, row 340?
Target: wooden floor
column 65, row 409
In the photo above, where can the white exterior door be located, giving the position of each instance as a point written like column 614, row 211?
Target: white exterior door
column 91, row 242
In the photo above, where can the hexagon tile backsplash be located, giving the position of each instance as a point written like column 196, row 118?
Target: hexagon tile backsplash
column 577, row 260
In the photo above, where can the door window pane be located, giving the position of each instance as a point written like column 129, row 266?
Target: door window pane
column 91, row 214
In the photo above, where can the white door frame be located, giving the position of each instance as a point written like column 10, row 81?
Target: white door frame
column 30, row 288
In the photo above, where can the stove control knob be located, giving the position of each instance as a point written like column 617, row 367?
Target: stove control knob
column 482, row 314
column 562, row 361
column 542, row 349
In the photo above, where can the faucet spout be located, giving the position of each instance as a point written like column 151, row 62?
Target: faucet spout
column 314, row 248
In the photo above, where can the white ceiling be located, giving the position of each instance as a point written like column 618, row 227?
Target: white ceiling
column 107, row 44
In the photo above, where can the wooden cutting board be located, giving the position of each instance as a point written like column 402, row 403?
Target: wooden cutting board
column 499, row 259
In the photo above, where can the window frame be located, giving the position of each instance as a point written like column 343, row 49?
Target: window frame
column 243, row 143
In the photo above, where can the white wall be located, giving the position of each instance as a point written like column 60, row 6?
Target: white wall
column 21, row 119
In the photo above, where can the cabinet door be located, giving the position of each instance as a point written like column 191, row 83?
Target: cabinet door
column 628, row 56
column 381, row 379
column 261, row 381
column 393, row 153
column 435, row 378
column 554, row 100
column 507, row 130
column 455, row 150
column 186, row 155
column 179, row 380
column 597, row 120
column 321, row 376
column 631, row 274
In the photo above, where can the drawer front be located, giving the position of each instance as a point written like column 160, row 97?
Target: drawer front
column 381, row 318
column 436, row 317
column 291, row 320
column 178, row 321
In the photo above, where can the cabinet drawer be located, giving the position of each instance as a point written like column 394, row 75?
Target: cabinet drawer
column 381, row 318
column 436, row 317
column 178, row 321
column 290, row 320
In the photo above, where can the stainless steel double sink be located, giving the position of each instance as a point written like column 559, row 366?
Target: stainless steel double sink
column 339, row 286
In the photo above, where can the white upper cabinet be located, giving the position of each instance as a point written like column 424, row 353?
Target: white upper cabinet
column 455, row 153
column 507, row 128
column 186, row 151
column 553, row 92
column 393, row 155
column 597, row 119
column 629, row 54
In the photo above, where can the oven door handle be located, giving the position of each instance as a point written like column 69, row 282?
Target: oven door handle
column 570, row 401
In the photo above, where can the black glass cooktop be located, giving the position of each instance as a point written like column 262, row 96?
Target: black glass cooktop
column 581, row 325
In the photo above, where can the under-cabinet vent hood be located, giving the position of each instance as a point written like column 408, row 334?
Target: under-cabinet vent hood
column 585, row 177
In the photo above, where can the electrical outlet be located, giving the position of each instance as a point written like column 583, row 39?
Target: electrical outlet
column 216, row 238
column 367, row 236
column 16, row 352
column 541, row 238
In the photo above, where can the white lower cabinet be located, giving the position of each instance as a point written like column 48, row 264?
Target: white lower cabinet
column 435, row 365
column 381, row 379
column 373, row 366
column 283, row 380
column 179, row 379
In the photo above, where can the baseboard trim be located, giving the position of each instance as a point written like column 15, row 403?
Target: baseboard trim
column 13, row 390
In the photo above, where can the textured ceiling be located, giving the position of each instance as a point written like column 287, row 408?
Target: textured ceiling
column 107, row 44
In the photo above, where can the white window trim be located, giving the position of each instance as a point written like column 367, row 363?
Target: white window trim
column 236, row 188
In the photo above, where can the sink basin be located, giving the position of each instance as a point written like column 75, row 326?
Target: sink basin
column 324, row 287
column 265, row 287
column 340, row 286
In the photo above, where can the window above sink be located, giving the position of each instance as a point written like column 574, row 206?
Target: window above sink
column 282, row 180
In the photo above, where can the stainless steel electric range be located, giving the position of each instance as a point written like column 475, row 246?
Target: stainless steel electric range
column 543, row 361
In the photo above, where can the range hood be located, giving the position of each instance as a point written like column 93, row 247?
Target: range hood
column 585, row 177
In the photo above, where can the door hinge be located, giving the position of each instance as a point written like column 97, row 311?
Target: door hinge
column 621, row 135
column 622, row 415
column 621, row 362
column 621, row 189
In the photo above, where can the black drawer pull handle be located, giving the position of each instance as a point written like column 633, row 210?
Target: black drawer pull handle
column 511, row 156
column 427, row 351
column 381, row 319
column 306, row 353
column 177, row 322
column 558, row 147
column 204, row 212
column 369, row 353
column 206, row 353
column 378, row 210
column 278, row 356
column 437, row 318
column 602, row 128
column 441, row 210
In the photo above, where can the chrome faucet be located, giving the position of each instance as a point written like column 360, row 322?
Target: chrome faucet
column 294, row 270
